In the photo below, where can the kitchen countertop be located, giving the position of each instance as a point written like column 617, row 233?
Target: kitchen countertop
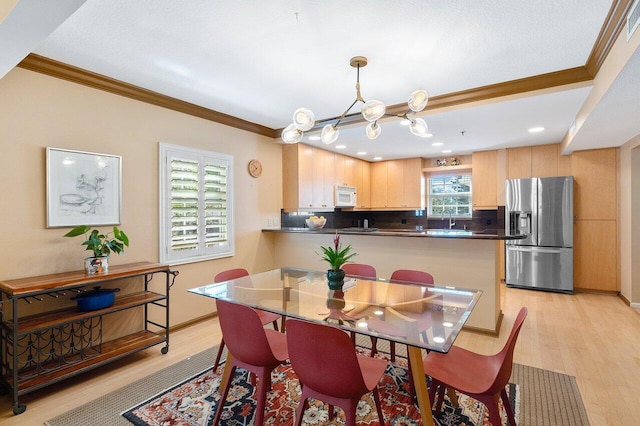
column 420, row 233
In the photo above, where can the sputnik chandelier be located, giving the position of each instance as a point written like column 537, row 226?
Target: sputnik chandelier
column 372, row 111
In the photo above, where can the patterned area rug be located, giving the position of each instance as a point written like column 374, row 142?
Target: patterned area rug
column 194, row 401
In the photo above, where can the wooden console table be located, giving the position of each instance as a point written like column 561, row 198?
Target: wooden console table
column 41, row 349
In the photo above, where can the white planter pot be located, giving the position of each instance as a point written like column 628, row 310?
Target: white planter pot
column 96, row 265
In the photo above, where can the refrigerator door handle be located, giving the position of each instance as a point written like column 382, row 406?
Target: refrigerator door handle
column 539, row 249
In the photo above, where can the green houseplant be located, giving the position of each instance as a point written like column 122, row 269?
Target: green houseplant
column 336, row 256
column 102, row 245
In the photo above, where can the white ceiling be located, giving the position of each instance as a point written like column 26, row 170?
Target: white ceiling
column 259, row 61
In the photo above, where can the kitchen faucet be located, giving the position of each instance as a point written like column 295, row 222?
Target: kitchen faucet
column 452, row 222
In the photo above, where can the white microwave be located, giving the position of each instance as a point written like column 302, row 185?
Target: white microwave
column 345, row 196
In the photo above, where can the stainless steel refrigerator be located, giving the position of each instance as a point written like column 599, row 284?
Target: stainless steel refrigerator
column 542, row 209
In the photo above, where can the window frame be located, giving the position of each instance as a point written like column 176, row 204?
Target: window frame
column 167, row 153
column 430, row 195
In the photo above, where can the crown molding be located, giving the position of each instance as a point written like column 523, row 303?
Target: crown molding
column 67, row 72
column 611, row 29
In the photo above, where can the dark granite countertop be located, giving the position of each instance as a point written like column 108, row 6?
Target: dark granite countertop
column 489, row 234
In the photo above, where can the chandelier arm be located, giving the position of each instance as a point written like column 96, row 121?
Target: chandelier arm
column 344, row 114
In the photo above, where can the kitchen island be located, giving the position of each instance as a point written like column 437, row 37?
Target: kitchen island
column 459, row 258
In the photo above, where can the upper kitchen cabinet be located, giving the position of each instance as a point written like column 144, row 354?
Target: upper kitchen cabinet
column 484, row 178
column 354, row 172
column 307, row 178
column 537, row 161
column 595, row 184
column 397, row 184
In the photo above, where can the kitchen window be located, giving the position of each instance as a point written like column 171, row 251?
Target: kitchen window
column 450, row 195
column 196, row 205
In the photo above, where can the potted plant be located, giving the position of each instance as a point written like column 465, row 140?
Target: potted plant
column 336, row 256
column 102, row 245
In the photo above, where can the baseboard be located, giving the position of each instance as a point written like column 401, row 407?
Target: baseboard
column 192, row 322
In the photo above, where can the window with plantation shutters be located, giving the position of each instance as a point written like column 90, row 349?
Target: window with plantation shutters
column 196, row 221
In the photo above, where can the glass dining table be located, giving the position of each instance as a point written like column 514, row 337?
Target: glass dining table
column 421, row 317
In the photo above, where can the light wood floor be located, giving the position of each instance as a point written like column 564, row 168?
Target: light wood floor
column 595, row 338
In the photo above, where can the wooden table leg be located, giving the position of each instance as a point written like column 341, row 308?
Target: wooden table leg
column 420, row 384
column 226, row 372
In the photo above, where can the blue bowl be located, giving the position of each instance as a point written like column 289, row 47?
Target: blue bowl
column 96, row 299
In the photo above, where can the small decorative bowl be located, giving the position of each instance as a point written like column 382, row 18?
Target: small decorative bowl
column 315, row 223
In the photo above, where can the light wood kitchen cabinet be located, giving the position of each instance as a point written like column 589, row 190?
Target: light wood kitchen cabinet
column 357, row 174
column 484, row 178
column 595, row 255
column 323, row 179
column 533, row 161
column 595, row 192
column 307, row 178
column 397, row 184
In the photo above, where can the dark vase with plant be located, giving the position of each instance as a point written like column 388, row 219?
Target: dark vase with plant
column 336, row 256
column 102, row 245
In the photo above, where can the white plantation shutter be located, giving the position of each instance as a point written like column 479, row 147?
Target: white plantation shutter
column 196, row 205
column 450, row 195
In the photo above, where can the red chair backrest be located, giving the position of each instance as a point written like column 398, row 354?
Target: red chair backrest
column 504, row 359
column 360, row 270
column 411, row 276
column 324, row 358
column 230, row 274
column 244, row 334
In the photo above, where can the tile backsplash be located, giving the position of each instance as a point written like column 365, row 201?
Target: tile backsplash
column 413, row 219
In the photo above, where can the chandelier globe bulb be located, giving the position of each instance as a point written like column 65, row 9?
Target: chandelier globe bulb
column 373, row 130
column 291, row 134
column 373, row 110
column 329, row 134
column 419, row 127
column 418, row 100
column 304, row 119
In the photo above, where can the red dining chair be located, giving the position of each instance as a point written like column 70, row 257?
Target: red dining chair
column 481, row 377
column 265, row 317
column 325, row 361
column 409, row 276
column 253, row 348
column 362, row 270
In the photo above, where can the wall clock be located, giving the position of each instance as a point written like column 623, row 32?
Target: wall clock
column 255, row 168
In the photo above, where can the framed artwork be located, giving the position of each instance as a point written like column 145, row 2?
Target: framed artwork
column 83, row 188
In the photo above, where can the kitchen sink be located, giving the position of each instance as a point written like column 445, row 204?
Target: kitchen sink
column 452, row 232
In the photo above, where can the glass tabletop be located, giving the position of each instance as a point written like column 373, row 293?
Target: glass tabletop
column 428, row 317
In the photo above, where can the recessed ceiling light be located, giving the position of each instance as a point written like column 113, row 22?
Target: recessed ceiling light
column 437, row 144
column 446, row 151
column 341, row 146
column 377, row 158
column 314, row 138
column 361, row 153
column 536, row 129
column 427, row 135
column 405, row 122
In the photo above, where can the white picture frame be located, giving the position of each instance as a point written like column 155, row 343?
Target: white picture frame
column 83, row 188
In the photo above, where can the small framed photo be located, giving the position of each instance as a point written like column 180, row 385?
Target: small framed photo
column 83, row 188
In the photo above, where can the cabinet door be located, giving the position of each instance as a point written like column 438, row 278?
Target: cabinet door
column 595, row 188
column 544, row 160
column 484, row 178
column 351, row 171
column 323, row 169
column 305, row 176
column 395, row 183
column 413, row 184
column 595, row 255
column 518, row 163
column 379, row 184
column 340, row 170
column 364, row 185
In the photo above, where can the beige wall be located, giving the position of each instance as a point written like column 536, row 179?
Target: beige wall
column 629, row 221
column 37, row 111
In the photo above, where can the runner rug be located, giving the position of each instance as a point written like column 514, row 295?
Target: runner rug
column 194, row 401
